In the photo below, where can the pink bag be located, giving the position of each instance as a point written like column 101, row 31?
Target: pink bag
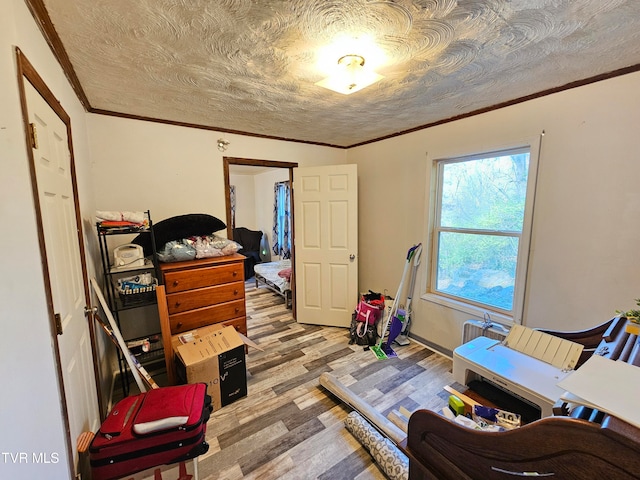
column 365, row 312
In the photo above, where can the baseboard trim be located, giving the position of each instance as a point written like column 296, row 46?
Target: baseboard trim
column 431, row 346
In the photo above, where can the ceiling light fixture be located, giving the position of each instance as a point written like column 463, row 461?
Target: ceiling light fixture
column 350, row 76
column 222, row 144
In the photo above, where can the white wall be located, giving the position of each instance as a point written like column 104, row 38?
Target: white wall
column 173, row 170
column 245, row 200
column 30, row 410
column 584, row 250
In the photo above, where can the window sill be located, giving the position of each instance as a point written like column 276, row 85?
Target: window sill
column 467, row 308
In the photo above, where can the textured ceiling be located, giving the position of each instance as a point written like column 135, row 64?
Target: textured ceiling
column 251, row 66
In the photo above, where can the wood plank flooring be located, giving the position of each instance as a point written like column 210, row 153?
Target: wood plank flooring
column 288, row 427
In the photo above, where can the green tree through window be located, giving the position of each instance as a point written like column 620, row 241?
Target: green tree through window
column 478, row 228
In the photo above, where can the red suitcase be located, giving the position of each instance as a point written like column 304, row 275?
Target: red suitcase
column 162, row 426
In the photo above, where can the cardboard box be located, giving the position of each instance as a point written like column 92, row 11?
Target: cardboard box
column 216, row 356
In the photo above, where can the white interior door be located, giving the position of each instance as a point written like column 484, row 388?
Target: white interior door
column 55, row 193
column 326, row 243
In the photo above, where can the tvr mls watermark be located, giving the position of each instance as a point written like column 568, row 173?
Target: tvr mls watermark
column 29, row 457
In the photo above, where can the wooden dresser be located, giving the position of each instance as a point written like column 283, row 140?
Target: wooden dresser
column 197, row 293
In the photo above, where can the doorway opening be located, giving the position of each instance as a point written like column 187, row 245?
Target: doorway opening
column 258, row 212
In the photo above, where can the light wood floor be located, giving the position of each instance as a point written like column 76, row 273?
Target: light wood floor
column 288, row 426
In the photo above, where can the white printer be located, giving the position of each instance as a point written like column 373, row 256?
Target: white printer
column 528, row 363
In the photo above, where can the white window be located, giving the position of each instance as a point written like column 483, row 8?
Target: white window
column 481, row 231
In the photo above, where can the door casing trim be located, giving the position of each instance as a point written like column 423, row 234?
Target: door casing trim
column 226, row 161
column 26, row 71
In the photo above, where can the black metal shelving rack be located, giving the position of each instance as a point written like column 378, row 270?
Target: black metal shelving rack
column 119, row 303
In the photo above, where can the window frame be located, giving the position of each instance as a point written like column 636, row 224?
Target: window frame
column 468, row 306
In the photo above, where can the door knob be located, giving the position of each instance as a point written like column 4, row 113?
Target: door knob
column 352, row 257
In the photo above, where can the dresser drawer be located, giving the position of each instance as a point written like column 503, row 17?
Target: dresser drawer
column 181, row 322
column 240, row 324
column 203, row 277
column 202, row 297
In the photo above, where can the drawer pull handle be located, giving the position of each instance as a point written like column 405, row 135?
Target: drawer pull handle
column 179, row 325
column 237, row 309
column 178, row 304
column 235, row 274
column 176, row 283
column 235, row 292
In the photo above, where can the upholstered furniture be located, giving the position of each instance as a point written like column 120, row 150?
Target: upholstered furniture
column 250, row 241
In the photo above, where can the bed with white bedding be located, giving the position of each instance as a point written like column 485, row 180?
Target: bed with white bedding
column 273, row 276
